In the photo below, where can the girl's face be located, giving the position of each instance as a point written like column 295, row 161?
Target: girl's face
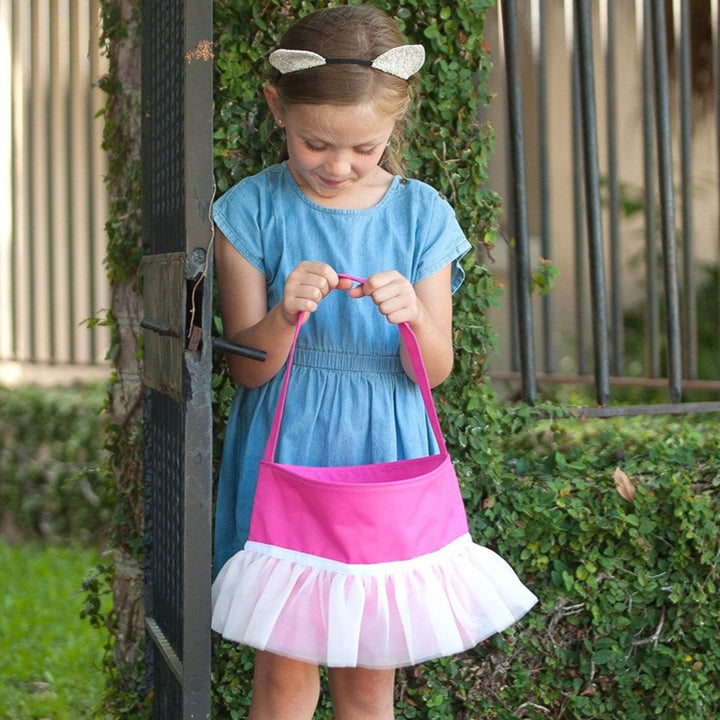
column 334, row 152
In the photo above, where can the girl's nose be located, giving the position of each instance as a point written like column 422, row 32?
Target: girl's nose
column 338, row 164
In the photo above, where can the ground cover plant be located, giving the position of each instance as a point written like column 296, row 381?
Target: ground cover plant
column 614, row 523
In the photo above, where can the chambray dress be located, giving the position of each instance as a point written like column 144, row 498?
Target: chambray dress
column 349, row 401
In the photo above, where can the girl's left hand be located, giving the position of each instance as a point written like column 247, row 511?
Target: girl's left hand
column 393, row 294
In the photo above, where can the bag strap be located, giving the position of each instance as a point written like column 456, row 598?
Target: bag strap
column 415, row 356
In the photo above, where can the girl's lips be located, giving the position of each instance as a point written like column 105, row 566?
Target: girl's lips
column 331, row 183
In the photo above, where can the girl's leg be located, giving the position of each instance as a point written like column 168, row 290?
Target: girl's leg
column 283, row 689
column 362, row 694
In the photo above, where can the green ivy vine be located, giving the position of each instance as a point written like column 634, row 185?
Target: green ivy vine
column 449, row 148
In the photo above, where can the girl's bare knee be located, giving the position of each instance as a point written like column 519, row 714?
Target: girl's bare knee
column 283, row 689
column 362, row 694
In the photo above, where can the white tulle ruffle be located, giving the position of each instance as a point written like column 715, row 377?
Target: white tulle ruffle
column 378, row 616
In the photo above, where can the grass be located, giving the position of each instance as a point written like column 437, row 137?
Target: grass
column 50, row 659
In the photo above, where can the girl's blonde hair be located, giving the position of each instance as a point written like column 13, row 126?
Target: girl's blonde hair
column 358, row 32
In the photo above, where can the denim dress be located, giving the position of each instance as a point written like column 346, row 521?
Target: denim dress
column 349, row 400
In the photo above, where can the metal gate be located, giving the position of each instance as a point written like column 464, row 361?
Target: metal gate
column 670, row 257
column 177, row 234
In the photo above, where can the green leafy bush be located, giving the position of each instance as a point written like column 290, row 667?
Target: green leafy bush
column 51, row 442
column 614, row 524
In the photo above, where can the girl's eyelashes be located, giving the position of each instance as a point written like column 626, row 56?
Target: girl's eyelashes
column 315, row 148
column 320, row 148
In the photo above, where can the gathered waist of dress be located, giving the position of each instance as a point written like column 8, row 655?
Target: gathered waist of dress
column 343, row 361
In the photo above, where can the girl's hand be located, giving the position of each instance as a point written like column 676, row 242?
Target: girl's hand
column 306, row 286
column 394, row 295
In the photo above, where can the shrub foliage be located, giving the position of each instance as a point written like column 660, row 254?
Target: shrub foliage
column 613, row 524
column 51, row 448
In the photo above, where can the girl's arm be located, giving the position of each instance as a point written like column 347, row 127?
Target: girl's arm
column 427, row 307
column 246, row 319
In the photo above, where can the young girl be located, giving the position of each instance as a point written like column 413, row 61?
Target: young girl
column 337, row 204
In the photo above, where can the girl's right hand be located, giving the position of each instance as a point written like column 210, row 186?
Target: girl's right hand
column 306, row 286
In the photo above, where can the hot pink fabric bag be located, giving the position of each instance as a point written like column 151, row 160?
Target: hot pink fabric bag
column 368, row 565
column 361, row 513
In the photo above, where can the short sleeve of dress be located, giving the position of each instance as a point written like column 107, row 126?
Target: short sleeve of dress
column 238, row 215
column 442, row 240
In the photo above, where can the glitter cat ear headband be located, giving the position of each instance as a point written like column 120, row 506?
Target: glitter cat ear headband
column 402, row 61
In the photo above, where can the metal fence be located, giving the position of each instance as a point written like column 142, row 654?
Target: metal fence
column 52, row 197
column 608, row 137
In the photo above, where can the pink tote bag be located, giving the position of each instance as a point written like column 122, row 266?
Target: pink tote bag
column 364, row 565
column 363, row 513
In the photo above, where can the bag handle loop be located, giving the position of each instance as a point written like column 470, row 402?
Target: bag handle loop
column 415, row 356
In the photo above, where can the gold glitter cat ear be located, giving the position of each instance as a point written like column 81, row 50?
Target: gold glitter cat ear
column 402, row 61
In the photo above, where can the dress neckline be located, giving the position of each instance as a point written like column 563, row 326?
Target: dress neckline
column 340, row 211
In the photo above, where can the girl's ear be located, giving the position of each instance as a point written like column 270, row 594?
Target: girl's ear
column 271, row 96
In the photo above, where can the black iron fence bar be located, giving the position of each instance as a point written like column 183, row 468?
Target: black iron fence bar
column 651, row 256
column 583, row 38
column 615, row 381
column 221, row 345
column 579, row 227
column 688, row 234
column 513, row 339
column 521, row 264
column 159, row 328
column 667, row 201
column 544, row 172
column 655, row 409
column 616, row 264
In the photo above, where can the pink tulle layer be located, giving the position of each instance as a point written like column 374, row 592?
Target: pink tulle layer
column 378, row 616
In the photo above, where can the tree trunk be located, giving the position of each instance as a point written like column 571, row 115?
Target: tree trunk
column 122, row 139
